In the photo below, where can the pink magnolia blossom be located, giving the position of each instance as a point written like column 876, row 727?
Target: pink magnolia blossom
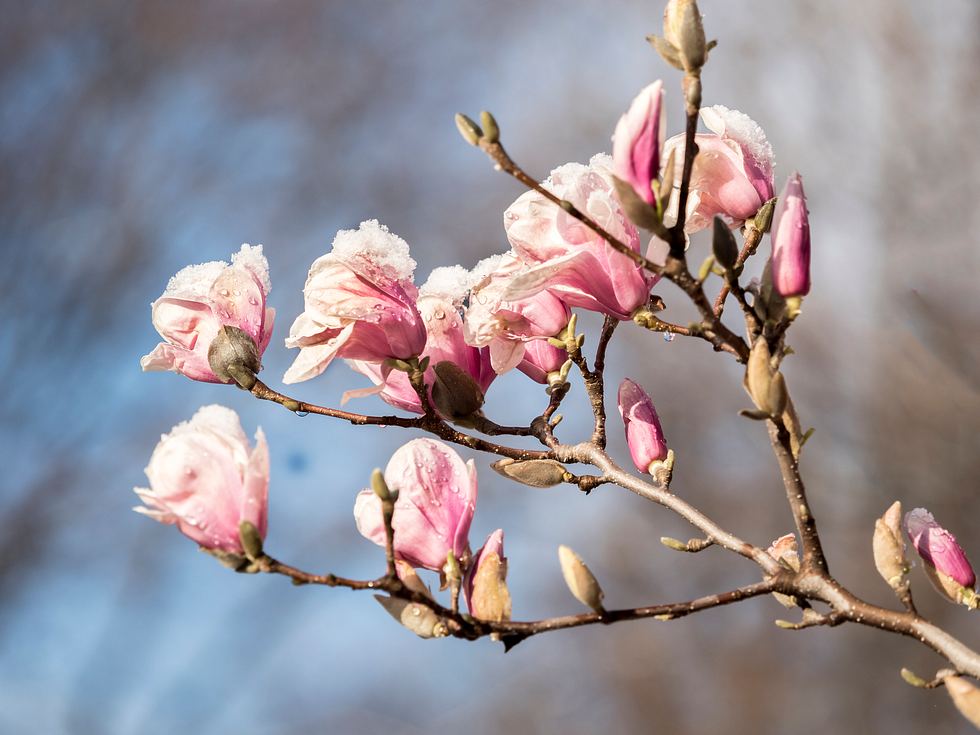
column 206, row 480
column 638, row 140
column 440, row 312
column 199, row 301
column 515, row 331
column 732, row 175
column 644, row 435
column 945, row 563
column 436, row 500
column 791, row 241
column 568, row 259
column 360, row 304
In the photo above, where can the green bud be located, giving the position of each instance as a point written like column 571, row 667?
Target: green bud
column 251, row 540
column 491, row 131
column 533, row 472
column 763, row 218
column 468, row 129
column 580, row 580
column 379, row 485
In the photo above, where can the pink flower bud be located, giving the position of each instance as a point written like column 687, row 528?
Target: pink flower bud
column 436, row 500
column 791, row 241
column 205, row 479
column 732, row 175
column 485, row 586
column 541, row 359
column 563, row 256
column 360, row 304
column 638, row 140
column 514, row 330
column 199, row 301
column 444, row 342
column 945, row 563
column 644, row 435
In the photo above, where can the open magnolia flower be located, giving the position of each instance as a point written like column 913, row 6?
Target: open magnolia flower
column 732, row 175
column 360, row 304
column 439, row 304
column 563, row 256
column 206, row 479
column 199, row 301
column 515, row 331
column 436, row 501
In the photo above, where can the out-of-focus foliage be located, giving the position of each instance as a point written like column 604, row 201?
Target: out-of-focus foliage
column 138, row 137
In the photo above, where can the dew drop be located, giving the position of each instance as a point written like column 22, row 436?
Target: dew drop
column 301, row 414
column 668, row 336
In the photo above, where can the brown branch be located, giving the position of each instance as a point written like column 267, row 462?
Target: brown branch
column 432, row 424
column 504, row 163
column 692, row 108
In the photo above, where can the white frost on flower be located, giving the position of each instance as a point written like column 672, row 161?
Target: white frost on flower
column 742, row 129
column 250, row 258
column 486, row 267
column 378, row 248
column 194, row 282
column 451, row 282
column 602, row 163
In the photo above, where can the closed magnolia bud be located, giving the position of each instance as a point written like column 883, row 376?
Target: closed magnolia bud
column 233, row 356
column 638, row 141
column 454, row 392
column 723, row 244
column 468, row 129
column 758, row 375
column 580, row 580
column 533, row 472
column 419, row 619
column 487, row 596
column 251, row 539
column 644, row 434
column 791, row 241
column 684, row 31
column 889, row 548
column 379, row 486
column 491, row 131
column 943, row 559
column 966, row 697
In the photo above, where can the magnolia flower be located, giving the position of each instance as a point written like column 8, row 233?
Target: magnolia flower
column 514, row 330
column 568, row 259
column 360, row 304
column 206, row 480
column 436, row 500
column 791, row 241
column 199, row 301
column 440, row 311
column 732, row 175
column 944, row 561
column 638, row 140
column 485, row 588
column 644, row 435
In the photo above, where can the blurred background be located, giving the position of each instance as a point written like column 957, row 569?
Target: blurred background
column 138, row 137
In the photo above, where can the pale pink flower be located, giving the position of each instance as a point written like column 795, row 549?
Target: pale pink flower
column 945, row 562
column 568, row 259
column 205, row 479
column 440, row 310
column 644, row 435
column 638, row 140
column 732, row 175
column 199, row 301
column 360, row 304
column 791, row 241
column 509, row 327
column 436, row 500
